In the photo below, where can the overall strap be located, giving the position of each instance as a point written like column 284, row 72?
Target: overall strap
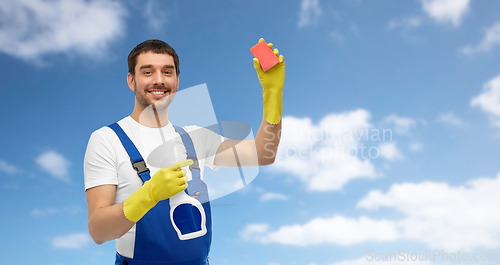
column 188, row 144
column 135, row 157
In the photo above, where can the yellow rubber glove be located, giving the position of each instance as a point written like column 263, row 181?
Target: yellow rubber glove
column 272, row 83
column 164, row 184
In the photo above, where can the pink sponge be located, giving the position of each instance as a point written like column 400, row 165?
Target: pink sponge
column 267, row 58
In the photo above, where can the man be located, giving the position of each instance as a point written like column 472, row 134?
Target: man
column 147, row 211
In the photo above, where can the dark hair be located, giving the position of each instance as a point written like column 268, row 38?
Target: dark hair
column 157, row 46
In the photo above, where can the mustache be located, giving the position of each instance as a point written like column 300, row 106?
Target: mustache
column 161, row 87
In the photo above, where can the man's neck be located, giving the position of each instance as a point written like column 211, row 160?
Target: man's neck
column 150, row 117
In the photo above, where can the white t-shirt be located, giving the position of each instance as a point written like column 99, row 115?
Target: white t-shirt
column 107, row 162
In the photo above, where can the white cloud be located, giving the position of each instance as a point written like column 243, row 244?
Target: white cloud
column 50, row 211
column 436, row 214
column 72, row 241
column 328, row 155
column 55, row 164
column 416, row 146
column 389, row 151
column 405, row 23
column 443, row 216
column 8, row 168
column 489, row 100
column 9, row 186
column 402, row 125
column 34, row 28
column 253, row 231
column 446, row 11
column 491, row 39
column 309, row 13
column 355, row 30
column 38, row 212
column 449, row 118
column 337, row 230
column 155, row 15
column 336, row 36
column 268, row 196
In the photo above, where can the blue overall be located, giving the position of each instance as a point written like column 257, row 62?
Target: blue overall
column 156, row 241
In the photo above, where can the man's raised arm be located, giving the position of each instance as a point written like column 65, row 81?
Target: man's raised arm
column 263, row 149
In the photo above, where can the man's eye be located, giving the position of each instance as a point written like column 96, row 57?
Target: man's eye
column 168, row 72
column 147, row 72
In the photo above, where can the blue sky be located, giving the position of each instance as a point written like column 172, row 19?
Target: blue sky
column 425, row 72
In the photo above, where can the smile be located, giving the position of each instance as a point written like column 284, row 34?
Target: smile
column 159, row 93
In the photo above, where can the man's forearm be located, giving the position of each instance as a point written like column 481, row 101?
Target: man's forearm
column 263, row 149
column 106, row 219
column 272, row 81
column 108, row 223
column 267, row 141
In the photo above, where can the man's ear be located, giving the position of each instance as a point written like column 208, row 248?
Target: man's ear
column 130, row 81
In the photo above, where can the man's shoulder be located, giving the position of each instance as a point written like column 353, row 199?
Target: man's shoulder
column 195, row 130
column 190, row 128
column 212, row 128
column 106, row 133
column 102, row 136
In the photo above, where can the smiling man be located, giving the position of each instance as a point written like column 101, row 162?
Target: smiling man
column 162, row 215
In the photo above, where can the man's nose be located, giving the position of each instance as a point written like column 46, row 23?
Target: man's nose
column 158, row 78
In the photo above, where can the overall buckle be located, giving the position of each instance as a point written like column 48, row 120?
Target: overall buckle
column 195, row 165
column 140, row 167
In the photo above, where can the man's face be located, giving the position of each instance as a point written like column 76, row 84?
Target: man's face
column 155, row 81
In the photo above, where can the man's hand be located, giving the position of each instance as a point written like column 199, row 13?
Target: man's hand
column 164, row 184
column 272, row 83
